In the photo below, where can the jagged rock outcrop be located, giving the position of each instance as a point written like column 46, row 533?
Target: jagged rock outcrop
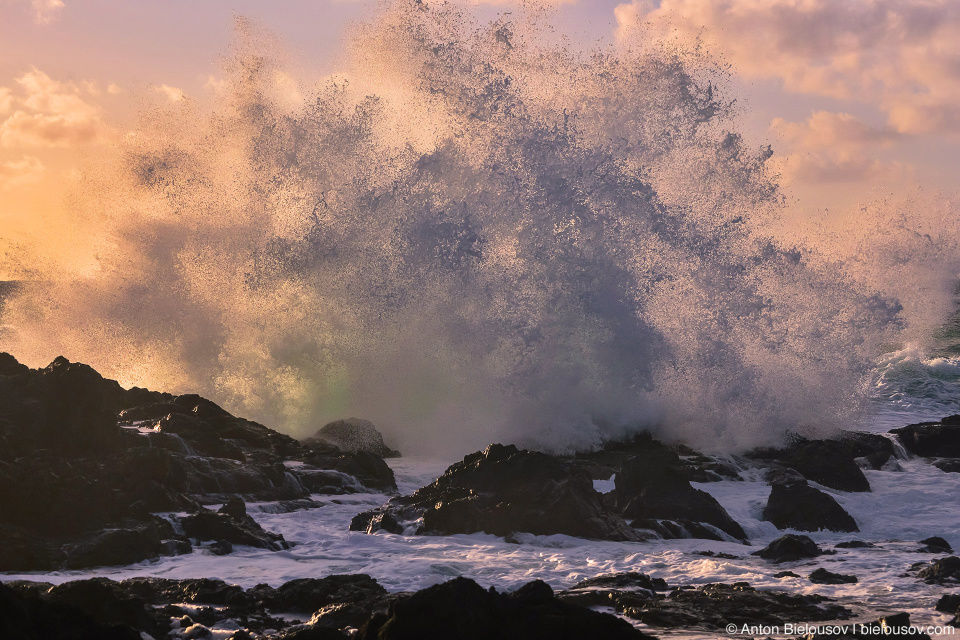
column 503, row 490
column 353, row 435
column 796, row 505
column 84, row 465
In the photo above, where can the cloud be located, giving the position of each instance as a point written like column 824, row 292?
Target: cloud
column 14, row 174
column 172, row 93
column 6, row 100
column 45, row 11
column 903, row 56
column 834, row 147
column 51, row 114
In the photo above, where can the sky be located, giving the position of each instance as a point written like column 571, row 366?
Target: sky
column 860, row 99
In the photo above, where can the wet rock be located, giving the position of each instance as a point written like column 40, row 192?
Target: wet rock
column 106, row 603
column 650, row 487
column 353, row 435
column 310, row 594
column 113, row 547
column 464, row 610
column 830, row 462
column 207, row 525
column 504, row 490
column 715, row 606
column 628, row 580
column 822, row 576
column 854, row 544
column 949, row 603
column 943, row 571
column 947, row 465
column 801, row 507
column 936, row 544
column 30, row 616
column 235, row 508
column 932, row 439
column 373, row 521
column 789, row 548
column 896, row 626
column 785, row 574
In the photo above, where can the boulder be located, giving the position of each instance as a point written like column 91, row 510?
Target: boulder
column 789, row 548
column 310, row 594
column 208, row 525
column 353, row 435
column 935, row 544
column 650, row 487
column 943, row 571
column 464, row 610
column 932, row 439
column 716, row 606
column 831, row 462
column 504, row 490
column 822, row 576
column 801, row 507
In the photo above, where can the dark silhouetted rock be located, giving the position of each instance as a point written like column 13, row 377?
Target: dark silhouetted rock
column 949, row 603
column 801, row 507
column 830, row 462
column 945, row 570
column 310, row 594
column 504, row 490
column 628, row 580
column 207, row 525
column 650, row 487
column 27, row 615
column 785, row 574
column 462, row 609
column 789, row 548
column 353, row 435
column 822, row 576
column 896, row 626
column 932, row 439
column 854, row 544
column 715, row 606
column 107, row 603
column 936, row 544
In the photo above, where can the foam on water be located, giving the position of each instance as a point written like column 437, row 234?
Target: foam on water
column 902, row 509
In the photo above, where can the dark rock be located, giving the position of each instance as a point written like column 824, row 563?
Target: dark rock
column 715, row 606
column 854, row 544
column 353, row 435
column 896, row 626
column 931, row 439
column 462, row 609
column 949, row 603
column 649, row 487
column 789, row 548
column 235, row 508
column 313, row 632
column 947, row 465
column 207, row 525
column 679, row 529
column 310, row 594
column 785, row 574
column 107, row 604
column 719, row 554
column 503, row 490
column 801, row 507
column 112, row 547
column 628, row 580
column 936, row 544
column 822, row 576
column 29, row 616
column 830, row 462
column 220, row 548
column 945, row 570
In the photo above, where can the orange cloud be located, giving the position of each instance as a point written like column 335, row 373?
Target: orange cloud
column 52, row 114
column 26, row 171
column 172, row 93
column 834, row 147
column 45, row 11
column 6, row 100
column 901, row 55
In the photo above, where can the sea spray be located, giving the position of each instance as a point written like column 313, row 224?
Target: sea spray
column 473, row 234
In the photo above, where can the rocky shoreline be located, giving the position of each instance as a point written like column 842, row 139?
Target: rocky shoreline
column 94, row 475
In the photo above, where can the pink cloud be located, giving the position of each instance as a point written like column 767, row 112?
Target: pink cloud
column 904, row 56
